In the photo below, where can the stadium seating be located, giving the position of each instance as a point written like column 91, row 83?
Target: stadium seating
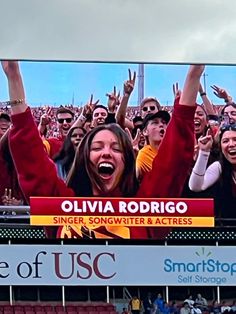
column 55, row 308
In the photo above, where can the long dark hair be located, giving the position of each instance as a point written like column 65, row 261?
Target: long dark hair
column 206, row 126
column 225, row 194
column 67, row 153
column 6, row 154
column 11, row 181
column 227, row 105
column 227, row 167
column 83, row 174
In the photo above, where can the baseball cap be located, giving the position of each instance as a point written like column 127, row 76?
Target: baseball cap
column 163, row 114
column 137, row 119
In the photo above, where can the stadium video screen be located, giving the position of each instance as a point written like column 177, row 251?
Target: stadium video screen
column 116, row 151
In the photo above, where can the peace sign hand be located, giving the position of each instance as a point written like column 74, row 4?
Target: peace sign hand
column 89, row 107
column 136, row 140
column 176, row 91
column 45, row 118
column 129, row 84
column 7, row 197
column 113, row 101
column 221, row 93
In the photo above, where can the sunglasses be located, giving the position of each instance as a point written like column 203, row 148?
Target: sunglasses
column 228, row 127
column 152, row 108
column 68, row 120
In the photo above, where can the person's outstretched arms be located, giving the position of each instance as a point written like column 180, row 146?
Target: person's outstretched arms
column 36, row 172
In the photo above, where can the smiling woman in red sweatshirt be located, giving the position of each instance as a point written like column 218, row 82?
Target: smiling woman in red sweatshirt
column 104, row 163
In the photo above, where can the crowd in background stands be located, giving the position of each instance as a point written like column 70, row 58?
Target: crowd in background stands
column 131, row 113
column 198, row 305
column 157, row 146
column 53, row 127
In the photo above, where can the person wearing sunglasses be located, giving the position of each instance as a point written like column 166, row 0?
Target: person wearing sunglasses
column 149, row 105
column 220, row 174
column 65, row 120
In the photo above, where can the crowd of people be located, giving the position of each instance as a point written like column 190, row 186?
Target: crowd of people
column 114, row 150
column 198, row 305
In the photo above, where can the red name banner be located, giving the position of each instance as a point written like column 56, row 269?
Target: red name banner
column 121, row 212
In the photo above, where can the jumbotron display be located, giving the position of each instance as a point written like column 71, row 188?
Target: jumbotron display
column 87, row 152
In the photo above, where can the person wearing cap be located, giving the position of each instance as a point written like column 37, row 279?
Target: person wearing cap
column 137, row 121
column 149, row 105
column 154, row 127
column 5, row 123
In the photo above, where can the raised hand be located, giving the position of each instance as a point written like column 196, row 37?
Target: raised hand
column 205, row 142
column 15, row 86
column 45, row 118
column 175, row 88
column 191, row 85
column 6, row 197
column 8, row 200
column 221, row 93
column 176, row 91
column 89, row 107
column 10, row 67
column 134, row 141
column 129, row 84
column 113, row 101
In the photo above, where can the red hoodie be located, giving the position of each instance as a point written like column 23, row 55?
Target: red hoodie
column 38, row 175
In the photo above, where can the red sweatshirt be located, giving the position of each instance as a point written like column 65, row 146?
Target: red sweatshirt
column 38, row 175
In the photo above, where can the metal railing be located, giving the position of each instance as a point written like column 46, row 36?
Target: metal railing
column 18, row 214
column 126, row 294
